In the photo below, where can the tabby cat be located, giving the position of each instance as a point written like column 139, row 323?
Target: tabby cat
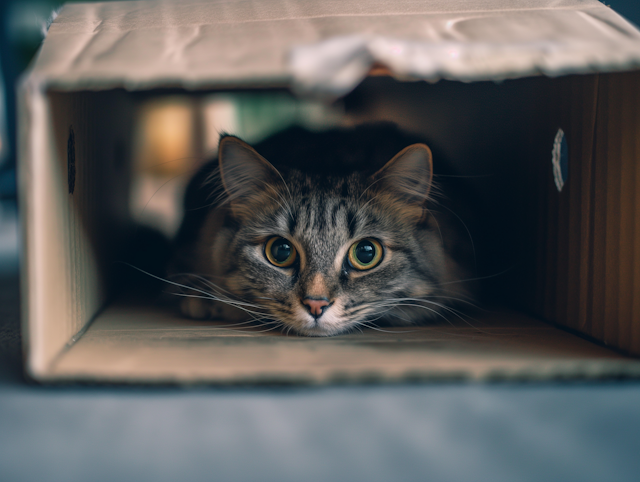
column 320, row 233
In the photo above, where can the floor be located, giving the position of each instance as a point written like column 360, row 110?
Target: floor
column 435, row 432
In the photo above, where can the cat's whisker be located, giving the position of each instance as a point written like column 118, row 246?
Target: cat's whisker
column 394, row 303
column 248, row 330
column 462, row 316
column 361, row 208
column 222, row 298
column 403, row 302
column 371, row 307
column 479, row 278
column 422, row 300
column 404, row 318
column 461, row 297
column 209, row 296
column 261, row 321
column 250, row 312
column 444, row 307
column 242, row 324
column 373, row 183
column 280, row 203
column 473, row 246
column 365, row 307
column 174, row 283
column 464, row 176
column 267, row 330
column 204, row 279
column 188, row 171
column 372, row 327
column 223, row 197
column 462, row 301
column 437, row 225
column 217, row 294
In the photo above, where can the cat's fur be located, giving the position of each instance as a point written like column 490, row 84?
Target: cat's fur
column 323, row 192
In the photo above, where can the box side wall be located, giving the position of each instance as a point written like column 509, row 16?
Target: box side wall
column 74, row 179
column 589, row 249
column 496, row 137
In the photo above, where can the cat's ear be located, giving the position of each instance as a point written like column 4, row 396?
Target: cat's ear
column 408, row 175
column 246, row 175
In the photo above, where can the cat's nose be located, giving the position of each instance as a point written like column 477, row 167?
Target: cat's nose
column 315, row 305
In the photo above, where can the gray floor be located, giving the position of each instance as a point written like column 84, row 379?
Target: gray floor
column 456, row 432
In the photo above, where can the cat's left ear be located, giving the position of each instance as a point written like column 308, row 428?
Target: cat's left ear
column 408, row 175
column 246, row 175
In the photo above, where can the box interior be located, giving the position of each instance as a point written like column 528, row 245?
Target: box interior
column 566, row 257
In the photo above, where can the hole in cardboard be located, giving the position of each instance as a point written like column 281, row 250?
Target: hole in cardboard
column 494, row 134
column 560, row 160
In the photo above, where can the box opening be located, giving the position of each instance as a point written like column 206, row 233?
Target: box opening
column 539, row 248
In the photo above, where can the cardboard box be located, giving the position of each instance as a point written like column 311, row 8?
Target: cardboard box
column 561, row 64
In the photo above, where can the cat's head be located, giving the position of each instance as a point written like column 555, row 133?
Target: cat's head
column 326, row 254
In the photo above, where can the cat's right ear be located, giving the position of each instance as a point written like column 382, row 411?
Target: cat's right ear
column 408, row 175
column 246, row 175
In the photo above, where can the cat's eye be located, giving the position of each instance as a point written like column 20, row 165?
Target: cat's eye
column 365, row 254
column 280, row 252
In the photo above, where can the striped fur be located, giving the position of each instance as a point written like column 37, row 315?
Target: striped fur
column 327, row 192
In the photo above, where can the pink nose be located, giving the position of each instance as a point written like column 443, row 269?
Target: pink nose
column 316, row 306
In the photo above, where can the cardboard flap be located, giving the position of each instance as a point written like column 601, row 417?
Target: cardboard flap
column 328, row 47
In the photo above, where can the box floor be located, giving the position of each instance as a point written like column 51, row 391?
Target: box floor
column 128, row 343
column 436, row 432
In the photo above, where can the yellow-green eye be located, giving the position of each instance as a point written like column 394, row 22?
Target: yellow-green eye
column 365, row 254
column 280, row 252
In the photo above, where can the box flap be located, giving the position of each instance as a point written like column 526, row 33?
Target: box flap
column 328, row 47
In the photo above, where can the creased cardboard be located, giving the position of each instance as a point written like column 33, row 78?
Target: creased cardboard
column 328, row 47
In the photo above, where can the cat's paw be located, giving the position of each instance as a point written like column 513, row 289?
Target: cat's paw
column 197, row 308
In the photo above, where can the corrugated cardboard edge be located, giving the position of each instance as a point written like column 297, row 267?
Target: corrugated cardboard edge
column 547, row 371
column 30, row 98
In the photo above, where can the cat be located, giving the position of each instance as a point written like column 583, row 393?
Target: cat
column 321, row 233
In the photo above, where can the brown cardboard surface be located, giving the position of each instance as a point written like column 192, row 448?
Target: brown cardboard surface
column 74, row 188
column 591, row 243
column 328, row 46
column 142, row 344
column 618, row 132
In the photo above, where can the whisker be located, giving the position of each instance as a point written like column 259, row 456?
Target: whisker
column 188, row 171
column 372, row 327
column 393, row 303
column 201, row 277
column 250, row 312
column 462, row 316
column 479, row 278
column 473, row 246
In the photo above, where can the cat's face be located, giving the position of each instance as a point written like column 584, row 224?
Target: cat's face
column 325, row 255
